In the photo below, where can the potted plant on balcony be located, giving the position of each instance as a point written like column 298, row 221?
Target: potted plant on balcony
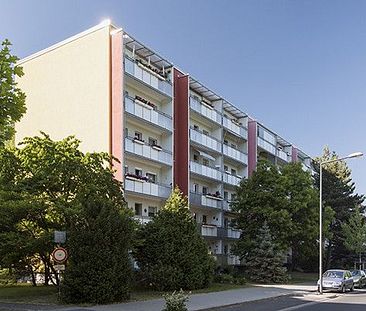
column 138, row 140
column 145, row 102
column 156, row 147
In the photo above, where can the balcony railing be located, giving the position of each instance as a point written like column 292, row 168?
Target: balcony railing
column 231, row 179
column 283, row 155
column 233, row 260
column 233, row 233
column 209, row 230
column 205, row 171
column 205, row 140
column 235, row 154
column 205, row 200
column 147, row 151
column 208, row 112
column 147, row 77
column 266, row 145
column 235, row 128
column 148, row 188
column 147, row 113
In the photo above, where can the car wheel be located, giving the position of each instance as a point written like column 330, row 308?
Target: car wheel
column 343, row 289
column 352, row 288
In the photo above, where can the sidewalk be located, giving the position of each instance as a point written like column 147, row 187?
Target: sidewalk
column 208, row 300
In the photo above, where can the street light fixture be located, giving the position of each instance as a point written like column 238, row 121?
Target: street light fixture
column 352, row 155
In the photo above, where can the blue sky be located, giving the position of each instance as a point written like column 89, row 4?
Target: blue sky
column 299, row 67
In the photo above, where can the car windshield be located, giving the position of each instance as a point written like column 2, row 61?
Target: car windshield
column 333, row 274
column 357, row 272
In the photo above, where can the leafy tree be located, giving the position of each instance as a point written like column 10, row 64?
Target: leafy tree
column 262, row 199
column 51, row 185
column 171, row 253
column 264, row 263
column 354, row 232
column 339, row 195
column 12, row 99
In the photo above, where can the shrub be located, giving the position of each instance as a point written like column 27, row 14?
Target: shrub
column 176, row 301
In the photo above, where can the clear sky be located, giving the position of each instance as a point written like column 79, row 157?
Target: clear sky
column 299, row 67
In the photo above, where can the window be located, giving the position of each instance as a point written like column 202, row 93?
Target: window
column 138, row 172
column 233, row 172
column 204, row 190
column 226, row 223
column 138, row 135
column 126, row 132
column 205, row 162
column 226, row 195
column 225, row 249
column 138, row 209
column 153, row 141
column 195, row 157
column 204, row 219
column 226, row 142
column 152, row 210
column 196, row 127
column 195, row 188
column 226, row 168
column 151, row 177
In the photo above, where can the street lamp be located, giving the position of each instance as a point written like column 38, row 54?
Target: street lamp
column 352, row 155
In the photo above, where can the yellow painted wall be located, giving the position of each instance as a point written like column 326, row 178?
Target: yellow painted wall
column 68, row 92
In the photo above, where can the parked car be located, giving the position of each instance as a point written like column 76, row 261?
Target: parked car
column 339, row 280
column 359, row 278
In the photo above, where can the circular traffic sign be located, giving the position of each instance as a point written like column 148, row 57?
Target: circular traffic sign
column 59, row 254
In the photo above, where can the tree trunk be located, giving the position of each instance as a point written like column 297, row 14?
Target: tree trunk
column 34, row 283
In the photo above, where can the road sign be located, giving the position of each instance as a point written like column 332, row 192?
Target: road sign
column 59, row 267
column 59, row 254
column 60, row 237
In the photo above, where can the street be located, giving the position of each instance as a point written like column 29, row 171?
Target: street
column 355, row 301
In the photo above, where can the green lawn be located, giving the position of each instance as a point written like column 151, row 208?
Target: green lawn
column 301, row 277
column 28, row 294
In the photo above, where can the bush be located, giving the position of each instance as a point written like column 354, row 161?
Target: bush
column 176, row 301
column 225, row 278
column 170, row 252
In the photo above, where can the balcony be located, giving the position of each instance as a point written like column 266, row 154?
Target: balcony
column 205, row 200
column 147, row 113
column 205, row 110
column 148, row 77
column 205, row 140
column 208, row 230
column 235, row 154
column 205, row 171
column 233, row 233
column 283, row 155
column 235, row 128
column 147, row 188
column 233, row 260
column 266, row 146
column 150, row 152
column 231, row 179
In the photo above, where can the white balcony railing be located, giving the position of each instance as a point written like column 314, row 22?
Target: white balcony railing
column 233, row 260
column 209, row 230
column 205, row 171
column 235, row 127
column 266, row 146
column 148, row 77
column 233, row 233
column 283, row 155
column 147, row 151
column 235, row 154
column 148, row 114
column 205, row 140
column 148, row 188
column 231, row 179
column 205, row 110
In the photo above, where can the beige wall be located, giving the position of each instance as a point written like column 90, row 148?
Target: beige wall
column 68, row 91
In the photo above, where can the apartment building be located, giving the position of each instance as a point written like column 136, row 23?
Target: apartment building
column 165, row 127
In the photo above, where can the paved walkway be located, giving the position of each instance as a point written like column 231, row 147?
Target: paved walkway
column 196, row 302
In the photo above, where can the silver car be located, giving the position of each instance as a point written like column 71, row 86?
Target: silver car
column 359, row 278
column 339, row 280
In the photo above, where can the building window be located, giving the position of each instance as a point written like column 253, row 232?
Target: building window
column 195, row 157
column 226, row 142
column 196, row 127
column 226, row 168
column 233, row 172
column 153, row 141
column 225, row 249
column 195, row 188
column 151, row 177
column 126, row 169
column 138, row 135
column 226, row 223
column 152, row 210
column 138, row 209
column 204, row 219
column 226, row 195
column 126, row 132
column 138, row 172
column 204, row 190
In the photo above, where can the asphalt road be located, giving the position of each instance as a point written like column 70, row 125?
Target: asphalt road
column 355, row 301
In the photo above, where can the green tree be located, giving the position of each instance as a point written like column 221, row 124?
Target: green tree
column 354, row 232
column 12, row 99
column 171, row 253
column 262, row 199
column 339, row 195
column 51, row 185
column 264, row 263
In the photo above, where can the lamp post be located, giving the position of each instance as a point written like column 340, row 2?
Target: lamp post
column 352, row 155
